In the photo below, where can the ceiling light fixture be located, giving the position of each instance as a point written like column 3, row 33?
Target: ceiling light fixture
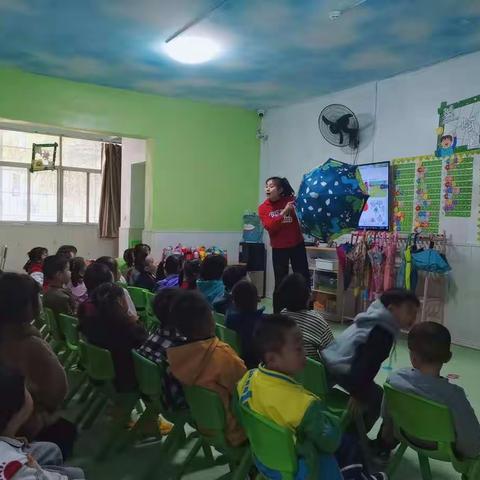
column 336, row 14
column 192, row 50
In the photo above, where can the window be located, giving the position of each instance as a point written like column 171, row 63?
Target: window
column 69, row 194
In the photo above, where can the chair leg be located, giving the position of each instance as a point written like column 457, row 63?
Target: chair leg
column 395, row 462
column 363, row 440
column 191, row 455
column 207, row 451
column 96, row 406
column 73, row 391
column 425, row 467
column 243, row 468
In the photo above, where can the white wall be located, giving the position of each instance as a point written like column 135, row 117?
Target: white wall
column 21, row 238
column 404, row 109
column 133, row 151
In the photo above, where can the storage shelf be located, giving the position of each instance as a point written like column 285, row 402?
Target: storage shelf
column 322, row 249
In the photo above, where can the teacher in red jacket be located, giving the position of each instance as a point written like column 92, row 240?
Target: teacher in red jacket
column 278, row 216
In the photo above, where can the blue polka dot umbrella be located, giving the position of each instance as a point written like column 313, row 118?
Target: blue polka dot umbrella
column 330, row 200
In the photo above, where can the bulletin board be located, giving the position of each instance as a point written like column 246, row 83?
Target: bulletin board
column 437, row 194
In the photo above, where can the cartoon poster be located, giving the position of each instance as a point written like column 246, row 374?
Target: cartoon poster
column 458, row 127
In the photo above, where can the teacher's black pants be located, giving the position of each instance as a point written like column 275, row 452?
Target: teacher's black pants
column 281, row 258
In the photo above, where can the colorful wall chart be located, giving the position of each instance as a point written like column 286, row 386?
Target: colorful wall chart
column 458, row 186
column 428, row 193
column 404, row 194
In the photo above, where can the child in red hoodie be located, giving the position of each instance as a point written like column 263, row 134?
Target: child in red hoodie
column 278, row 216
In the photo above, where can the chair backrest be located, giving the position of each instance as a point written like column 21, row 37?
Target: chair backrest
column 69, row 327
column 208, row 412
column 418, row 419
column 272, row 445
column 149, row 375
column 52, row 324
column 97, row 362
column 314, row 378
column 152, row 320
column 229, row 336
column 219, row 318
column 139, row 297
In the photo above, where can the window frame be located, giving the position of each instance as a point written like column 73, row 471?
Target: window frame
column 60, row 169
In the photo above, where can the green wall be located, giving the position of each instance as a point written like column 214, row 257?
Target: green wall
column 203, row 159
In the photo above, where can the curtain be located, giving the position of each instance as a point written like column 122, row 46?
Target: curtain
column 109, row 218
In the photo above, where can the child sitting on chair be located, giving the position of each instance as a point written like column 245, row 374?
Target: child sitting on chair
column 18, row 458
column 271, row 391
column 172, row 268
column 354, row 358
column 231, row 276
column 76, row 285
column 204, row 360
column 429, row 345
column 164, row 337
column 243, row 318
column 294, row 296
column 56, row 270
column 210, row 282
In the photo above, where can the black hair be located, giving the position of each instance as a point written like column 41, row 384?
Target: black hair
column 294, row 293
column 399, row 296
column 162, row 304
column 212, row 267
column 19, row 298
column 173, row 264
column 270, row 333
column 129, row 257
column 12, row 399
column 431, row 342
column 77, row 269
column 445, row 137
column 191, row 272
column 232, row 275
column 106, row 298
column 67, row 250
column 35, row 256
column 284, row 184
column 140, row 253
column 54, row 264
column 112, row 264
column 245, row 296
column 192, row 316
column 95, row 275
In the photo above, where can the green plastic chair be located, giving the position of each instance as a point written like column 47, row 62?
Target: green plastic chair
column 418, row 420
column 208, row 413
column 99, row 367
column 272, row 445
column 139, row 299
column 69, row 329
column 229, row 336
column 219, row 318
column 149, row 377
column 56, row 337
column 151, row 319
column 314, row 379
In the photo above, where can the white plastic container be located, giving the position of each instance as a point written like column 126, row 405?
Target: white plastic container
column 326, row 264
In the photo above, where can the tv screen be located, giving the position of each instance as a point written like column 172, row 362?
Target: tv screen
column 376, row 214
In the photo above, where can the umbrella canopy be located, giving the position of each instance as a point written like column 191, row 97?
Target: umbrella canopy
column 331, row 199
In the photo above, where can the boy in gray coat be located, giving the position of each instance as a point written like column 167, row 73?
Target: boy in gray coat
column 429, row 345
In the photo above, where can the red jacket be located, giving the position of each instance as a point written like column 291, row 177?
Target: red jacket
column 284, row 231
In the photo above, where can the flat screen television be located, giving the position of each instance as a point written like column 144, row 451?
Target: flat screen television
column 376, row 215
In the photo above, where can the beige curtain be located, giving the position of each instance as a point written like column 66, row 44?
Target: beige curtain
column 109, row 219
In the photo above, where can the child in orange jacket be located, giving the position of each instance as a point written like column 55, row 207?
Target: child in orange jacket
column 204, row 360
